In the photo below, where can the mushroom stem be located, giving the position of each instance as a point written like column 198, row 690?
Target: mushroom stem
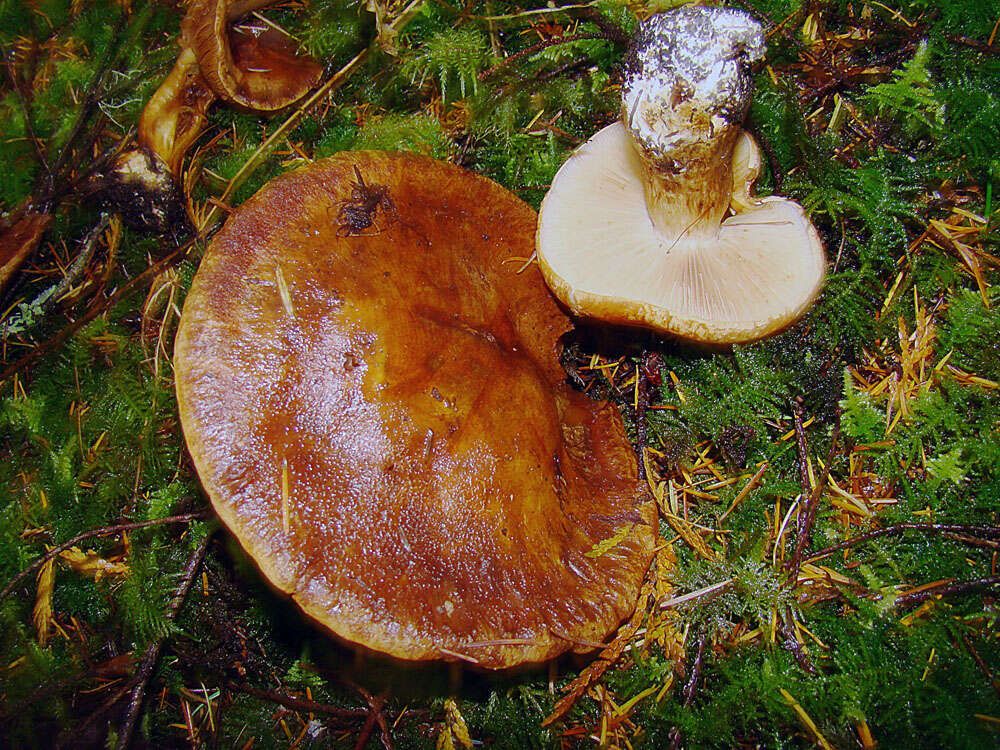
column 693, row 202
column 177, row 113
column 686, row 90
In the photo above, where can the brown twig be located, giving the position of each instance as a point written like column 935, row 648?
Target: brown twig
column 366, row 730
column 918, row 597
column 145, row 671
column 974, row 44
column 50, row 298
column 803, row 448
column 22, row 100
column 699, row 662
column 934, row 528
column 106, row 531
column 298, row 704
column 97, row 310
column 529, row 51
column 808, row 516
column 691, row 688
column 981, row 664
column 792, row 645
column 612, row 30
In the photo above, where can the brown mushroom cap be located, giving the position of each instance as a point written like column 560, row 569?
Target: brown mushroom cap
column 256, row 71
column 382, row 420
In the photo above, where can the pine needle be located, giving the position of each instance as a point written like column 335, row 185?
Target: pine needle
column 42, row 613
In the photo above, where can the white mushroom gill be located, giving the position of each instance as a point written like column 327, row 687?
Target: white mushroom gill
column 652, row 222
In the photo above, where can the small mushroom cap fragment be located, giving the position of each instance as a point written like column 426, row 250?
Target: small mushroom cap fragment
column 18, row 241
column 603, row 256
column 257, row 71
column 379, row 415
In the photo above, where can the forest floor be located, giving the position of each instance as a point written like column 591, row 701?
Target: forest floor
column 829, row 497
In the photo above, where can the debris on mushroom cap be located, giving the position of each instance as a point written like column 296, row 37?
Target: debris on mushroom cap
column 256, row 69
column 372, row 397
column 652, row 222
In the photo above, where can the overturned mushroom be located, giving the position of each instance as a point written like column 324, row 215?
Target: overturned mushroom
column 651, row 222
column 256, row 69
column 377, row 411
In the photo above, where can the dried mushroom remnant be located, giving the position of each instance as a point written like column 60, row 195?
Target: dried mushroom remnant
column 253, row 68
column 381, row 418
column 651, row 222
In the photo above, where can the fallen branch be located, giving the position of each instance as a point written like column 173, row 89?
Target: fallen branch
column 99, row 309
column 299, row 704
column 28, row 314
column 106, row 531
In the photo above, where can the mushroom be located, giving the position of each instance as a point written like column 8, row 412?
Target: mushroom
column 255, row 69
column 651, row 222
column 372, row 397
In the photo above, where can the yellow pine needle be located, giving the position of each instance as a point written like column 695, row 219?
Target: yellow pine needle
column 689, row 535
column 284, row 496
column 663, row 690
column 628, row 705
column 42, row 614
column 602, row 548
column 457, row 725
column 806, row 719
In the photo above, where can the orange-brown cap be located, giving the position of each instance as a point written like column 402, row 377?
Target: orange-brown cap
column 253, row 68
column 372, row 397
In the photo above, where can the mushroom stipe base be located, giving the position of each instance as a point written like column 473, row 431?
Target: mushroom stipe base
column 379, row 415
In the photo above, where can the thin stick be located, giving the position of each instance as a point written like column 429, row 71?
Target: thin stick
column 934, row 528
column 106, row 531
column 298, row 704
column 708, row 590
column 366, row 730
column 981, row 664
column 98, row 309
column 23, row 319
column 809, row 516
column 908, row 600
column 529, row 51
column 802, row 445
column 691, row 688
column 145, row 671
column 792, row 645
column 25, row 110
